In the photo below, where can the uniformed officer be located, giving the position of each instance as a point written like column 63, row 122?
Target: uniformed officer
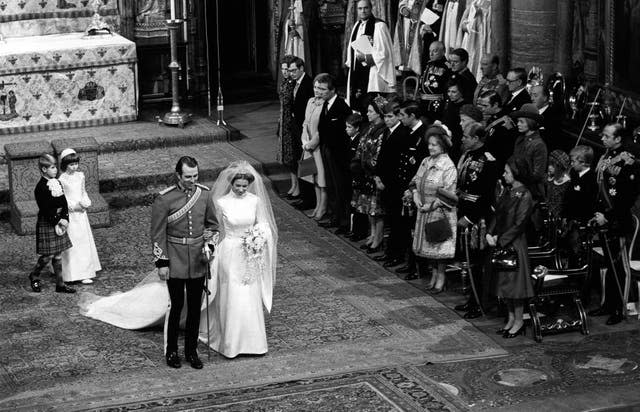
column 477, row 176
column 433, row 82
column 617, row 190
column 184, row 229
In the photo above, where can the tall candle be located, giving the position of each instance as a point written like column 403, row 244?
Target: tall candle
column 173, row 9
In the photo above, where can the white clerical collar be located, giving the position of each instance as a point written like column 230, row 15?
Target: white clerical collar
column 394, row 127
column 582, row 173
column 330, row 101
column 543, row 108
column 415, row 126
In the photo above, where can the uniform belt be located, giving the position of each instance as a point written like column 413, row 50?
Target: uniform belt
column 432, row 97
column 184, row 240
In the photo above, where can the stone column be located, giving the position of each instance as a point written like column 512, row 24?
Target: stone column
column 500, row 32
column 564, row 39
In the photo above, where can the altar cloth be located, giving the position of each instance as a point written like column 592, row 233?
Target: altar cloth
column 66, row 80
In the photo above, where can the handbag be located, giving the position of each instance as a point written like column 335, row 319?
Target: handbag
column 505, row 259
column 307, row 167
column 437, row 230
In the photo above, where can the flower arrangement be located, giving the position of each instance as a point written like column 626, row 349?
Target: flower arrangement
column 253, row 245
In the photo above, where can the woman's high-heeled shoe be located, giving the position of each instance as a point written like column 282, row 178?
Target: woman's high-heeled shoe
column 371, row 250
column 501, row 331
column 521, row 331
column 319, row 216
column 441, row 289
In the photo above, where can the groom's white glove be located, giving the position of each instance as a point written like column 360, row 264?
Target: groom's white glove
column 163, row 273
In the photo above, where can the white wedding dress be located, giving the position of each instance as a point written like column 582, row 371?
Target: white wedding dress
column 239, row 285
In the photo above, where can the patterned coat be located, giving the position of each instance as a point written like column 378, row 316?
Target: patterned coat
column 178, row 242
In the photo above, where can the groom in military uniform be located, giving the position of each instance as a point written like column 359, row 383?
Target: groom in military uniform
column 184, row 229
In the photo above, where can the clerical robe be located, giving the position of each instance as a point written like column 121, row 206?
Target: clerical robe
column 382, row 72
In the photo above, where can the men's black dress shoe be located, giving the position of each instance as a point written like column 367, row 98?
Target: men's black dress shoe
column 327, row 224
column 614, row 319
column 598, row 312
column 392, row 262
column 463, row 307
column 382, row 258
column 65, row 289
column 473, row 313
column 411, row 276
column 406, row 269
column 193, row 359
column 173, row 360
column 35, row 285
column 341, row 231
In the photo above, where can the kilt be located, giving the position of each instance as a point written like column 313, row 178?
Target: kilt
column 47, row 242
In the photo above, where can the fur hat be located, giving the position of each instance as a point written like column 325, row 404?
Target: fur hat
column 471, row 111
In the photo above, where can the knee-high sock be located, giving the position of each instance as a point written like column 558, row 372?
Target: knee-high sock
column 43, row 260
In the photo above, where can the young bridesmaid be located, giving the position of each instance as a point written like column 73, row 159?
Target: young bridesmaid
column 80, row 263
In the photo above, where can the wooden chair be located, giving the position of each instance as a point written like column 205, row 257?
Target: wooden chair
column 414, row 94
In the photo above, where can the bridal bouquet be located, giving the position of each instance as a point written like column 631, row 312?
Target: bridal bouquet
column 253, row 245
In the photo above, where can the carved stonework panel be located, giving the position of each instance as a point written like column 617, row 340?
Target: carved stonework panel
column 23, row 177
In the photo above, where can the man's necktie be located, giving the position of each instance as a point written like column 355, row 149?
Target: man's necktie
column 325, row 108
column 295, row 89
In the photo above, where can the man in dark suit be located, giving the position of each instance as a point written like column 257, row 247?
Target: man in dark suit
column 552, row 118
column 410, row 158
column 517, row 82
column 458, row 59
column 335, row 150
column 396, row 140
column 302, row 92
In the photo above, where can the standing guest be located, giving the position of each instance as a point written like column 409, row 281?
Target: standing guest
column 469, row 114
column 530, row 146
column 359, row 222
column 80, row 263
column 507, row 232
column 579, row 206
column 183, row 222
column 491, row 78
column 373, row 72
column 558, row 182
column 393, row 147
column 311, row 148
column 617, row 191
column 477, row 176
column 517, row 83
column 436, row 172
column 285, row 153
column 334, row 147
column 302, row 92
column 51, row 227
column 367, row 200
column 451, row 116
column 458, row 60
column 501, row 132
column 410, row 159
column 551, row 118
column 433, row 82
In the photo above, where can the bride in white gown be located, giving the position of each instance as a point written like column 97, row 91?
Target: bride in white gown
column 241, row 281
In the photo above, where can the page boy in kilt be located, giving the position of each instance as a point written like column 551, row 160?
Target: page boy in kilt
column 51, row 226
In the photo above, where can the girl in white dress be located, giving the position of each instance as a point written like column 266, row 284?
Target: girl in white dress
column 79, row 263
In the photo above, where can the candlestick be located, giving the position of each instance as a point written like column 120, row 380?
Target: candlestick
column 172, row 4
column 176, row 116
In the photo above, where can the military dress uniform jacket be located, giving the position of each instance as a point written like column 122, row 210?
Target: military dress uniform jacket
column 411, row 157
column 477, row 176
column 178, row 240
column 435, row 77
column 617, row 190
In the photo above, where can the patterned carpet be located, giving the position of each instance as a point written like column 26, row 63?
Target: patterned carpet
column 336, row 313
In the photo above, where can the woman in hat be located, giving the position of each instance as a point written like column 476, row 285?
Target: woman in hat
column 367, row 200
column 507, row 233
column 530, row 145
column 436, row 173
column 80, row 262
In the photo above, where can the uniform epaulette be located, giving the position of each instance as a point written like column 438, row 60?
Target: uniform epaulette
column 202, row 186
column 489, row 156
column 167, row 190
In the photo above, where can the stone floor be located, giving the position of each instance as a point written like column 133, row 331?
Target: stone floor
column 345, row 333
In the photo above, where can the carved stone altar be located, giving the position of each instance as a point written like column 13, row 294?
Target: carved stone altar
column 53, row 75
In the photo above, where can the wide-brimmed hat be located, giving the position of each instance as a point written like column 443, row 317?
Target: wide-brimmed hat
column 529, row 111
